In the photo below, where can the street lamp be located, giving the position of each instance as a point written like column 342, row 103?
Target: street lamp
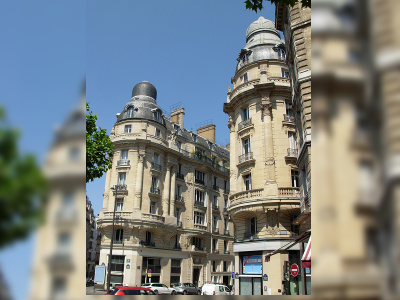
column 115, row 187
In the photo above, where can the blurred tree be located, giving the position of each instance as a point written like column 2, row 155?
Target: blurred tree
column 258, row 4
column 98, row 148
column 22, row 188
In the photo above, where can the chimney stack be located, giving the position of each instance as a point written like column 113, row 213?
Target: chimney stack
column 207, row 132
column 177, row 116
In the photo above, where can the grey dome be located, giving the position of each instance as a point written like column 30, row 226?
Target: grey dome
column 144, row 88
column 142, row 105
column 262, row 42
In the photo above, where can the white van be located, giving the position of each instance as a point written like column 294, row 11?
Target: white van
column 215, row 289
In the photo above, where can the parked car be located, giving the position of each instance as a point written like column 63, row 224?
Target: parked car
column 159, row 288
column 128, row 290
column 215, row 289
column 185, row 288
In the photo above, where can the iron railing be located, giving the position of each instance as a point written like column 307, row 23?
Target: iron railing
column 215, row 187
column 155, row 166
column 154, row 190
column 292, row 152
column 198, row 156
column 123, row 162
column 245, row 124
column 178, row 198
column 245, row 157
column 288, row 118
column 180, row 176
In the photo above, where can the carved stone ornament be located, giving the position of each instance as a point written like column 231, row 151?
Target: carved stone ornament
column 270, row 161
column 272, row 222
column 141, row 156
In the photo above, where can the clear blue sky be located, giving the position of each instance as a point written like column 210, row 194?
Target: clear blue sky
column 186, row 49
column 42, row 68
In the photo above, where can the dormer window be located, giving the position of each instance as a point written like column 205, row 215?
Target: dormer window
column 281, row 54
column 157, row 115
column 130, row 112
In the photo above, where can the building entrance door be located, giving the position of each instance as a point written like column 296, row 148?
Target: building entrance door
column 196, row 276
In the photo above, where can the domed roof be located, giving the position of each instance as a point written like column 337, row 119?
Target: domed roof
column 262, row 42
column 143, row 104
column 260, row 25
column 144, row 88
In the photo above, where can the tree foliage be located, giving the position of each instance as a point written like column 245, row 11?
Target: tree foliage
column 99, row 148
column 22, row 188
column 257, row 5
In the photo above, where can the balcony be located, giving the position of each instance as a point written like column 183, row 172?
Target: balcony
column 288, row 118
column 153, row 217
column 123, row 162
column 245, row 124
column 215, row 187
column 202, row 158
column 200, row 226
column 179, row 198
column 215, row 230
column 215, row 207
column 149, row 244
column 199, row 204
column 199, row 181
column 155, row 191
column 180, row 176
column 291, row 153
column 155, row 166
column 122, row 188
column 246, row 157
column 246, row 195
column 289, row 192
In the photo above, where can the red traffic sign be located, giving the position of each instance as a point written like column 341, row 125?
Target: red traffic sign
column 294, row 270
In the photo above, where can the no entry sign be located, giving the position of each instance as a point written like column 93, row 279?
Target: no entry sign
column 294, row 270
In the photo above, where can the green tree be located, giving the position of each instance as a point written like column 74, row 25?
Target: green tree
column 99, row 148
column 22, row 188
column 258, row 4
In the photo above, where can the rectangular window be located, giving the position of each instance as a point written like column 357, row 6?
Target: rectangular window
column 179, row 145
column 156, row 159
column 244, row 78
column 63, row 243
column 197, row 242
column 215, row 201
column 292, row 140
column 124, row 154
column 289, row 111
column 295, row 178
column 154, row 182
column 128, row 129
column 199, row 196
column 246, row 146
column 153, row 208
column 226, row 185
column 121, row 178
column 199, row 177
column 214, row 266
column 215, row 222
column 180, row 168
column 194, row 137
column 157, row 132
column 214, row 244
column 198, row 218
column 226, row 203
column 157, row 115
column 247, row 182
column 225, row 246
column 225, row 266
column 285, row 73
column 226, row 224
column 176, row 266
column 253, row 226
column 245, row 114
column 119, row 204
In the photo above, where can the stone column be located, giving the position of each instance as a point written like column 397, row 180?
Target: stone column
column 165, row 197
column 139, row 178
column 172, row 198
column 266, row 109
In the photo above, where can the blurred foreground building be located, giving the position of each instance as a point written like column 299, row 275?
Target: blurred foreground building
column 265, row 197
column 171, row 221
column 58, row 270
column 91, row 240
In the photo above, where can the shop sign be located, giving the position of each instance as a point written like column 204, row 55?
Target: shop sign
column 252, row 264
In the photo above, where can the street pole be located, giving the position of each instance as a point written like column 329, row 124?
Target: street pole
column 112, row 240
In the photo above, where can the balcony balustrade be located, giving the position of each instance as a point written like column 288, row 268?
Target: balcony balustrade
column 199, row 181
column 153, row 217
column 123, row 162
column 155, row 166
column 215, row 188
column 245, row 124
column 288, row 118
column 246, row 195
column 291, row 152
column 200, row 226
column 180, row 176
column 245, row 157
column 154, row 190
column 289, row 192
column 199, row 203
column 179, row 198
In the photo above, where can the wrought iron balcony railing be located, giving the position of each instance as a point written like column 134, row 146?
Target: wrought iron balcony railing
column 199, row 203
column 215, row 207
column 199, row 181
column 123, row 162
column 155, row 166
column 244, row 124
column 292, row 152
column 245, row 157
column 180, row 176
column 154, row 190
column 178, row 198
column 215, row 187
column 288, row 118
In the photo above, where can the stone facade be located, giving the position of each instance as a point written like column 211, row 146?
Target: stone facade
column 264, row 198
column 171, row 211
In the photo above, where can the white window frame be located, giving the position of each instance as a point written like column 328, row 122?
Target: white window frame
column 157, row 132
column 244, row 78
column 124, row 154
column 245, row 114
column 292, row 140
column 285, row 73
column 122, row 178
column 199, row 196
column 247, row 178
column 245, row 149
column 153, row 207
column 154, row 182
column 128, row 129
column 119, row 205
column 199, row 218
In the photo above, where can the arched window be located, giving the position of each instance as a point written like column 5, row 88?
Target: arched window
column 119, row 233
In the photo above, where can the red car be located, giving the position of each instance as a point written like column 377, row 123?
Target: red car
column 128, row 290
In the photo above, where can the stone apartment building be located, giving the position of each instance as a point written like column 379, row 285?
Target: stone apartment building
column 171, row 205
column 264, row 196
column 91, row 234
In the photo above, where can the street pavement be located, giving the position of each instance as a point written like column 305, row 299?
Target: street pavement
column 97, row 291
